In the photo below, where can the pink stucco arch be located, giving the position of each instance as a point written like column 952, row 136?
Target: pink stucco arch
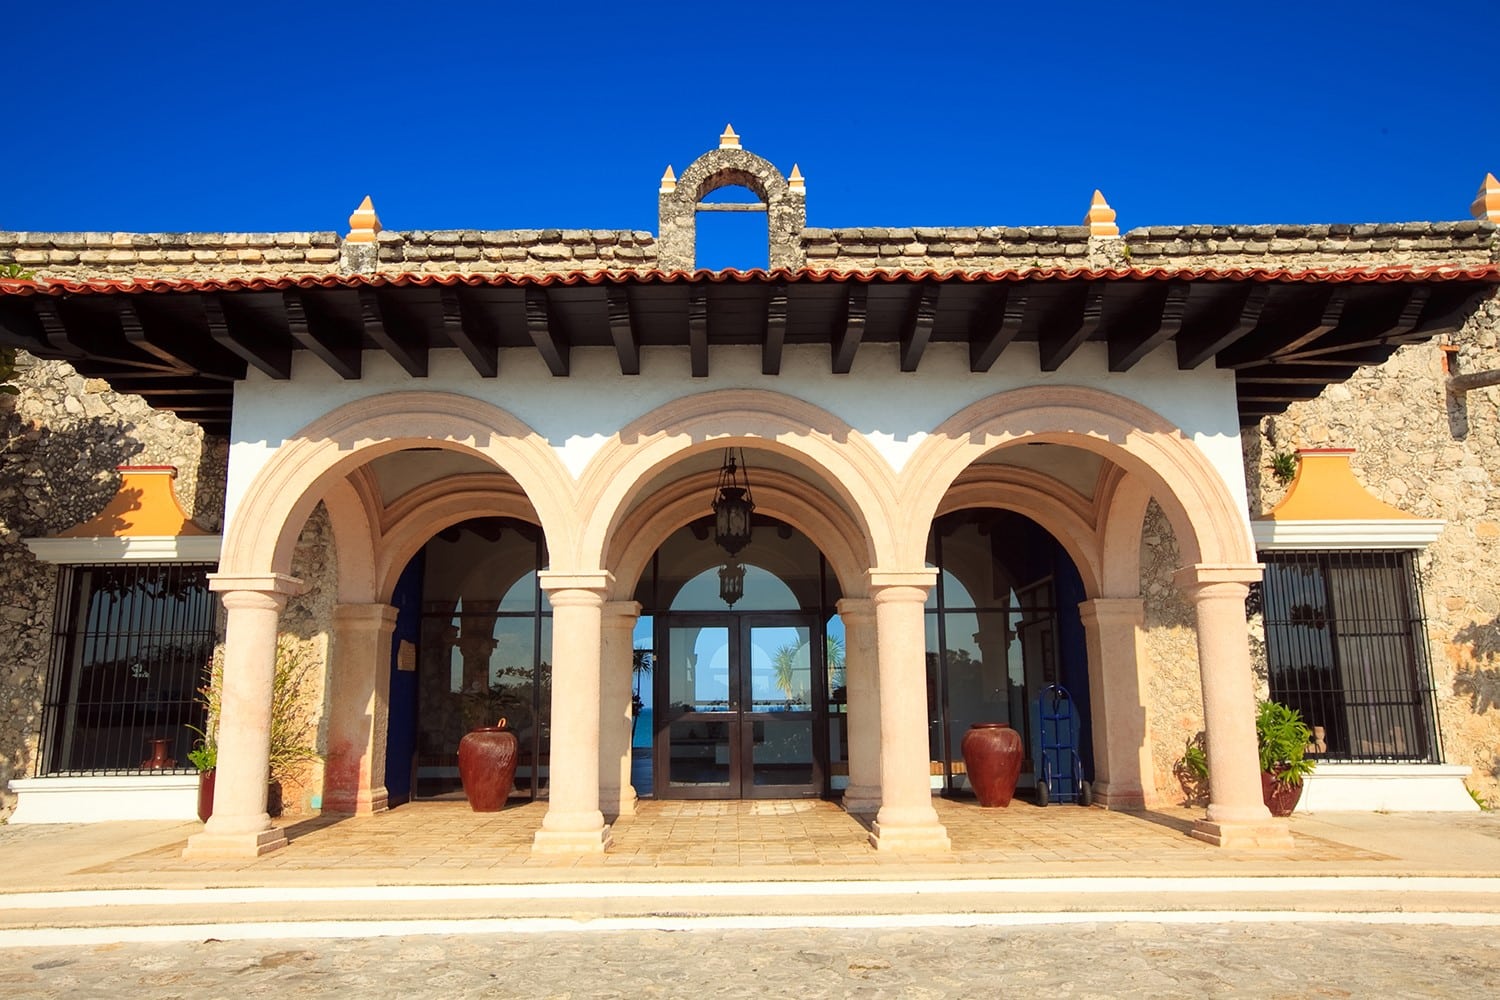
column 777, row 494
column 1207, row 519
column 836, row 459
column 1065, row 514
column 263, row 531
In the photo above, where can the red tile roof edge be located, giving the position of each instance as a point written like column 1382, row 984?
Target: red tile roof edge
column 1357, row 275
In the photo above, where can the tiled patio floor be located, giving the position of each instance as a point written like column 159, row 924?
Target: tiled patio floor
column 445, row 841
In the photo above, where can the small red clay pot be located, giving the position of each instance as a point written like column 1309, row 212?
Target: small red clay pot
column 158, row 761
column 487, row 767
column 1280, row 797
column 205, row 794
column 992, row 756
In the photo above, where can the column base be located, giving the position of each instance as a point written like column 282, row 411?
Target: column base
column 211, row 846
column 367, row 803
column 621, row 803
column 1245, row 835
column 572, row 841
column 1120, row 798
column 928, row 837
column 862, row 799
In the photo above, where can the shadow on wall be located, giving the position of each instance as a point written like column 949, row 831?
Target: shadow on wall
column 52, row 479
column 1477, row 669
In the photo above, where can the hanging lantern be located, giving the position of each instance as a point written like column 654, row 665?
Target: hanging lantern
column 732, row 505
column 731, row 581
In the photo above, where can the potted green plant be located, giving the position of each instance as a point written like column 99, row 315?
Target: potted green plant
column 1282, row 737
column 292, row 735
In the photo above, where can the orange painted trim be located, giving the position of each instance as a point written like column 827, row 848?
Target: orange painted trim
column 1326, row 489
column 145, row 505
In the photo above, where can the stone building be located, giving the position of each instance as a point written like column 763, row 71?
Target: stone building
column 477, row 473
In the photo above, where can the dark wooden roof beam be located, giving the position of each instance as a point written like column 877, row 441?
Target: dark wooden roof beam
column 546, row 333
column 1196, row 346
column 622, row 329
column 185, row 351
column 1394, row 331
column 467, row 331
column 320, row 338
column 394, row 337
column 776, row 315
column 1069, row 325
column 255, row 348
column 993, row 328
column 916, row 330
column 1127, row 348
column 1281, row 394
column 698, row 332
column 846, row 337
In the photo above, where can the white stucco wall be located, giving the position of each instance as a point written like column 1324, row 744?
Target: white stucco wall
column 895, row 410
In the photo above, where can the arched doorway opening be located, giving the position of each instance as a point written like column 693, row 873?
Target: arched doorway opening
column 740, row 695
column 479, row 630
column 1002, row 625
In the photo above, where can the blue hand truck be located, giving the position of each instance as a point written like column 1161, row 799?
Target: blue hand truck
column 1060, row 774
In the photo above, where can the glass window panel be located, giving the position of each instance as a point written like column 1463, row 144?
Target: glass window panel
column 781, row 751
column 698, row 669
column 780, row 669
column 699, row 753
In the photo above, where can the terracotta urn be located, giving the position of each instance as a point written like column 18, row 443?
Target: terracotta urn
column 992, row 757
column 1280, row 797
column 487, row 766
column 158, row 761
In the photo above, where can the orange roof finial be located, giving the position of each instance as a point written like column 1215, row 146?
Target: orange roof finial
column 1101, row 218
column 668, row 181
column 1487, row 205
column 730, row 139
column 796, row 182
column 363, row 224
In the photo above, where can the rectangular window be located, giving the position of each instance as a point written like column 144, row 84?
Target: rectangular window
column 131, row 646
column 1346, row 647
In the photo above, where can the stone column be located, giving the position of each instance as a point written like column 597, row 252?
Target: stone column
column 1123, row 776
column 862, row 689
column 1237, row 815
column 359, row 709
column 240, row 826
column 906, row 821
column 616, row 795
column 574, row 824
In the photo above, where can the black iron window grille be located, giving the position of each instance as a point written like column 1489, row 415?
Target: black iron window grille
column 131, row 646
column 1346, row 646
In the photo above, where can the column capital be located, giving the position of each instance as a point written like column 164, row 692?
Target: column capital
column 366, row 615
column 1113, row 610
column 266, row 583
column 884, row 579
column 856, row 607
column 598, row 581
column 1204, row 574
column 622, row 609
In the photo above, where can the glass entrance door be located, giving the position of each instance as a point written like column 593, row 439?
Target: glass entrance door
column 739, row 706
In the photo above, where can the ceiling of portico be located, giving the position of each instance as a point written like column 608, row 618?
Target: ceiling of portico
column 1073, row 467
column 402, row 471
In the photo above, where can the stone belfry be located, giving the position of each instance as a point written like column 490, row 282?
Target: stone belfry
column 783, row 199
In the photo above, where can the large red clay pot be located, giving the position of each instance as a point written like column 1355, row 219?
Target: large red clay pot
column 992, row 756
column 1280, row 797
column 487, row 766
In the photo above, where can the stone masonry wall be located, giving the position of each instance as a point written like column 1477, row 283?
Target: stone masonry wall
column 1433, row 459
column 60, row 440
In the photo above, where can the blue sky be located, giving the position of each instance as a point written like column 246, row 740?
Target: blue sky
column 171, row 117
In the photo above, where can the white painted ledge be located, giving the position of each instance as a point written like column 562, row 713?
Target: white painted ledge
column 1386, row 788
column 146, row 548
column 105, row 798
column 1330, row 535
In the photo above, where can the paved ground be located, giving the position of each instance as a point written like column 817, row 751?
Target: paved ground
column 1093, row 960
